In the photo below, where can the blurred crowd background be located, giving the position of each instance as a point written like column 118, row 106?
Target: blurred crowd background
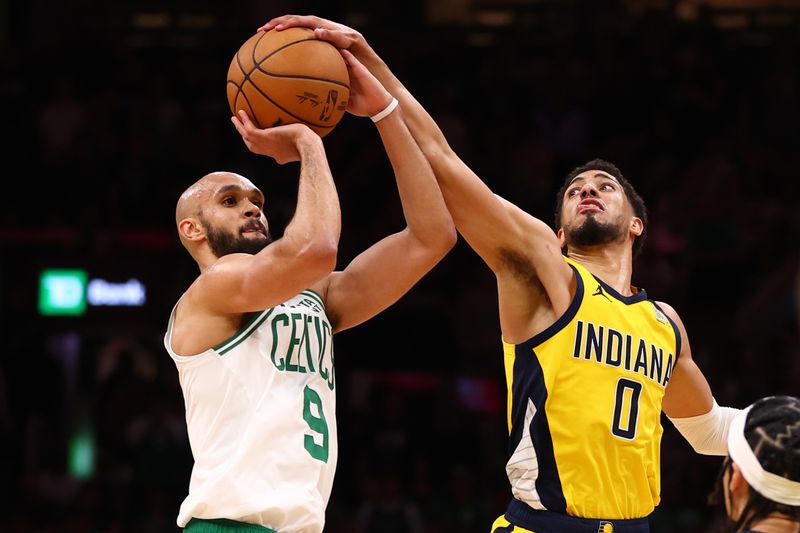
column 113, row 108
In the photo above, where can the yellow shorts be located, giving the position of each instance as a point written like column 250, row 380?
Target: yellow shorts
column 501, row 525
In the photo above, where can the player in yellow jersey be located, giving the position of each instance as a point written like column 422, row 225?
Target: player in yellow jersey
column 590, row 361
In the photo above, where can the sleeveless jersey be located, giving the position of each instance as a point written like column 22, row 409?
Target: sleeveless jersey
column 261, row 418
column 584, row 405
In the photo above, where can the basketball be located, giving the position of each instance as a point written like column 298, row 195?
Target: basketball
column 283, row 77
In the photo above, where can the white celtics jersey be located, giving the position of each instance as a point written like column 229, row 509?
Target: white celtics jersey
column 261, row 417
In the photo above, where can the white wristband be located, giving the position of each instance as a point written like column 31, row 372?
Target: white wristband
column 383, row 114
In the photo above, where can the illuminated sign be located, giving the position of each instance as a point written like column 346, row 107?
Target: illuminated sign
column 102, row 292
column 68, row 292
column 62, row 292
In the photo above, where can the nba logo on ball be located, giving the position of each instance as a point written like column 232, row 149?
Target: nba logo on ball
column 314, row 100
column 283, row 77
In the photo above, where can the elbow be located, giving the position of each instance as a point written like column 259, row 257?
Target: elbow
column 320, row 256
column 448, row 237
column 439, row 242
column 314, row 256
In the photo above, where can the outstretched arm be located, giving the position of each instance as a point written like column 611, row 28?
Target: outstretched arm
column 489, row 224
column 380, row 275
column 523, row 252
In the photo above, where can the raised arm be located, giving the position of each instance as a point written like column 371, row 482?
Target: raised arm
column 523, row 251
column 380, row 275
column 490, row 225
column 306, row 252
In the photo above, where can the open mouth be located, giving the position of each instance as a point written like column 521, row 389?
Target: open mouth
column 590, row 206
column 254, row 228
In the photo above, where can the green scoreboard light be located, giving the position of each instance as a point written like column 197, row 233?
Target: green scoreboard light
column 62, row 292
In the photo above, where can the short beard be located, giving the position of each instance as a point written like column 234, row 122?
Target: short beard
column 224, row 243
column 593, row 233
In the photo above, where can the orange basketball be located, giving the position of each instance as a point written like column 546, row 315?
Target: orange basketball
column 281, row 77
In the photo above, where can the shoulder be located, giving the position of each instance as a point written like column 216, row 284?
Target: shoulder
column 673, row 315
column 222, row 271
column 190, row 302
column 668, row 310
column 225, row 263
column 683, row 338
column 207, row 286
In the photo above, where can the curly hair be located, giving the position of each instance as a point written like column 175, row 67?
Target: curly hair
column 639, row 209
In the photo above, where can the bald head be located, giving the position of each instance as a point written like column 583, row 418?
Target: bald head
column 220, row 214
column 191, row 201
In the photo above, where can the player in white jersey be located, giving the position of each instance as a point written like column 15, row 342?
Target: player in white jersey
column 252, row 336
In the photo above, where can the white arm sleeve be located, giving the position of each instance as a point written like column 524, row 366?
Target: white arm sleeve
column 708, row 433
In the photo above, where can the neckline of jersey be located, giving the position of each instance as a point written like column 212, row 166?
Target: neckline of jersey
column 640, row 295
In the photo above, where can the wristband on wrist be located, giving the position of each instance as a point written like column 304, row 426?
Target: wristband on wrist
column 383, row 114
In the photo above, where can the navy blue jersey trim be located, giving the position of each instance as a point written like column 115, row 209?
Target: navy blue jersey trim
column 520, row 514
column 678, row 341
column 529, row 384
column 632, row 299
column 564, row 319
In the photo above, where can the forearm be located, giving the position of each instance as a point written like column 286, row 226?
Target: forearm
column 708, row 433
column 423, row 206
column 423, row 127
column 472, row 204
column 480, row 216
column 317, row 218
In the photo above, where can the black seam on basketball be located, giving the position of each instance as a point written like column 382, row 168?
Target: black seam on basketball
column 246, row 78
column 254, row 118
column 301, row 119
column 265, row 95
column 299, row 77
column 255, row 62
column 244, row 95
column 287, row 45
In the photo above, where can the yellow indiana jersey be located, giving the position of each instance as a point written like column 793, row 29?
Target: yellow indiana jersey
column 584, row 405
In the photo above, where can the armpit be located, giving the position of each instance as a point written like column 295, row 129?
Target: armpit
column 521, row 268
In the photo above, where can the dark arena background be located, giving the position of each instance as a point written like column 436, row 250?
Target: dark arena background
column 110, row 109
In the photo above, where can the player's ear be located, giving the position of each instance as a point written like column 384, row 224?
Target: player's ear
column 190, row 229
column 637, row 226
column 737, row 481
column 738, row 490
column 561, row 239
